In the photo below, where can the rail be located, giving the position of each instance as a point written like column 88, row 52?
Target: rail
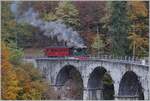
column 126, row 59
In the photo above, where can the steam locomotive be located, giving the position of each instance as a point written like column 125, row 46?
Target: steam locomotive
column 65, row 52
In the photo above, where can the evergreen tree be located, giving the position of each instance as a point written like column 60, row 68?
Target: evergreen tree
column 67, row 12
column 119, row 26
column 12, row 32
column 98, row 44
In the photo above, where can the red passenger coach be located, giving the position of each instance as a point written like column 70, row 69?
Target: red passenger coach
column 56, row 52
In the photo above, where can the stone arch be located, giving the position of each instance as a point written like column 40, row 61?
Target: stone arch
column 69, row 81
column 130, row 87
column 97, row 87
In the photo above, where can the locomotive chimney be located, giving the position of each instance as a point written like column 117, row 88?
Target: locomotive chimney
column 65, row 44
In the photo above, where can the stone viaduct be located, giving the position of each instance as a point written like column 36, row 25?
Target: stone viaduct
column 130, row 78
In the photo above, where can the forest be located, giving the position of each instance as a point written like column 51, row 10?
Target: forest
column 119, row 28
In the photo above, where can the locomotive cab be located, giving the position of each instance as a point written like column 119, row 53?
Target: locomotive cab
column 79, row 51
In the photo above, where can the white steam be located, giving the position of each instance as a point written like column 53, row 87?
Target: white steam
column 50, row 29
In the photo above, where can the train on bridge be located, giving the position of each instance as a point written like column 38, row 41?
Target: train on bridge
column 79, row 53
column 82, row 54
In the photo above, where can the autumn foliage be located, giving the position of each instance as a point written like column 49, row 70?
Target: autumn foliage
column 23, row 81
column 118, row 28
column 9, row 79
